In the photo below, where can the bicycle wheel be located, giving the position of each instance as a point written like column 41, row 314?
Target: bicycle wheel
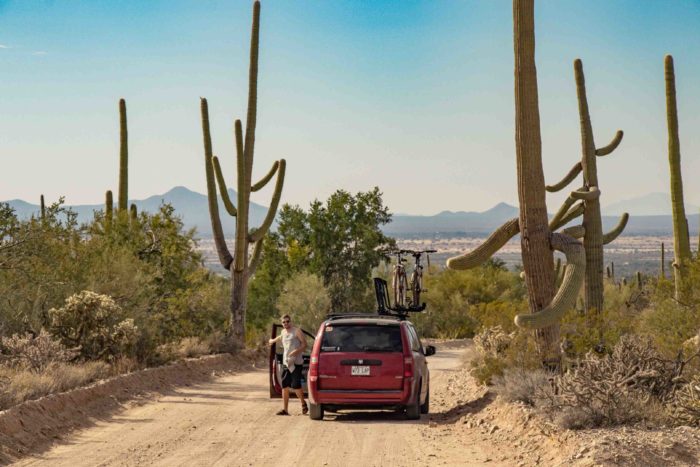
column 416, row 287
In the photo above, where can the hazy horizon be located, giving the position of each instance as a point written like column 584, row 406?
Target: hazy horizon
column 413, row 97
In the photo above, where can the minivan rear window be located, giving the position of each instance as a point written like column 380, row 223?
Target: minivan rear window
column 361, row 338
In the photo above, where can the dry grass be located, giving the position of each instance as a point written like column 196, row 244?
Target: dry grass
column 19, row 385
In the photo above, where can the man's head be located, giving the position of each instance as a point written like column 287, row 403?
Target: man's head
column 286, row 321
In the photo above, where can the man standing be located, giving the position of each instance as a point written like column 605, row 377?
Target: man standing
column 294, row 344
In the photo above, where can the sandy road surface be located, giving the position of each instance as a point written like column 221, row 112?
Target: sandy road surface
column 231, row 421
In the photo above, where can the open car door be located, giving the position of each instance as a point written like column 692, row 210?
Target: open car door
column 275, row 362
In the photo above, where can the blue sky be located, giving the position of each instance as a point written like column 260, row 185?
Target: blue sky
column 415, row 97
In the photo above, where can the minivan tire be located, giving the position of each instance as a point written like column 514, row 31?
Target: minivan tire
column 413, row 411
column 425, row 407
column 315, row 411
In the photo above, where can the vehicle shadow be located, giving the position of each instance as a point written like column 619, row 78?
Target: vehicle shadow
column 374, row 416
column 455, row 413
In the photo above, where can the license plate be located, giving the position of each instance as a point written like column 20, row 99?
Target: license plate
column 359, row 370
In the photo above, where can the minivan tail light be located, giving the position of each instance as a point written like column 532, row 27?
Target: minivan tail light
column 408, row 367
column 313, row 368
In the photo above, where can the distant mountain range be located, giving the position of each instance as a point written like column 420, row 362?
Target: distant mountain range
column 192, row 206
column 653, row 204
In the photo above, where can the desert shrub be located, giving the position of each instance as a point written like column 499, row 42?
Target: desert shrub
column 34, row 353
column 626, row 386
column 685, row 405
column 305, row 299
column 493, row 341
column 529, row 386
column 498, row 351
column 17, row 386
column 669, row 324
column 95, row 325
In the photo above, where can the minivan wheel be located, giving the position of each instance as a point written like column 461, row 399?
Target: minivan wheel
column 425, row 407
column 315, row 411
column 413, row 410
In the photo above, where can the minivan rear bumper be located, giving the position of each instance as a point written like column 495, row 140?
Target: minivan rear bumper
column 362, row 396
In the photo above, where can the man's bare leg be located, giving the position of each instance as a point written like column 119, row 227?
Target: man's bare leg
column 300, row 394
column 285, row 398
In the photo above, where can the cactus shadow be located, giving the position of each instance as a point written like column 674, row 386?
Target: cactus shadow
column 454, row 414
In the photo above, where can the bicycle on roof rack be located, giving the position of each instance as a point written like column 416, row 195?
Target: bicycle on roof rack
column 401, row 284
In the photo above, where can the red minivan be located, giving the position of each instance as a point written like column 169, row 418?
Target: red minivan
column 367, row 361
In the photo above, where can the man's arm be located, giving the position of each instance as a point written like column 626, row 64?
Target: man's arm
column 276, row 339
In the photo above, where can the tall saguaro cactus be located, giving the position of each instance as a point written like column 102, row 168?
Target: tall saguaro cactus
column 593, row 239
column 537, row 241
column 681, row 240
column 123, row 158
column 240, row 266
column 109, row 211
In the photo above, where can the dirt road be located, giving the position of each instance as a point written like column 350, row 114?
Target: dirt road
column 231, row 421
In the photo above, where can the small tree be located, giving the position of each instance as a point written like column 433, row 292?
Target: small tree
column 306, row 299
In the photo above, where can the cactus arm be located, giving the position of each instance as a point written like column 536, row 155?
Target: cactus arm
column 223, row 190
column 260, row 232
column 577, row 231
column 568, row 178
column 605, row 150
column 133, row 212
column 217, row 232
column 123, row 157
column 483, row 252
column 556, row 220
column 257, row 255
column 590, row 195
column 565, row 298
column 614, row 233
column 572, row 214
column 263, row 181
column 251, row 117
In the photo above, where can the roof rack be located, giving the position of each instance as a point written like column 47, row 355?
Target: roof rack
column 334, row 316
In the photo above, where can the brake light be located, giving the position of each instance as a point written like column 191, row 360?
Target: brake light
column 408, row 367
column 313, row 369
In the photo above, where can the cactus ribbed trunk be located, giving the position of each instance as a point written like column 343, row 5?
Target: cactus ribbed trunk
column 535, row 235
column 681, row 240
column 43, row 208
column 123, row 158
column 662, row 270
column 240, row 266
column 109, row 211
column 593, row 240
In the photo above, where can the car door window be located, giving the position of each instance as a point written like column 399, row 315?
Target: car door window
column 415, row 343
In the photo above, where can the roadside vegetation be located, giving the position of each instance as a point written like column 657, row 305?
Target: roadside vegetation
column 81, row 302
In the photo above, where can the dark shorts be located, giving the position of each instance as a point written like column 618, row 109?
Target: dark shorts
column 291, row 379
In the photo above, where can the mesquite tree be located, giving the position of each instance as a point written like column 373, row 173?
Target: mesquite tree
column 546, row 303
column 240, row 266
column 681, row 238
column 593, row 237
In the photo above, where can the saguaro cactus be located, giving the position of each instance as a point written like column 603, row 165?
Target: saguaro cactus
column 109, row 211
column 662, row 270
column 681, row 240
column 239, row 264
column 123, row 158
column 43, row 208
column 594, row 239
column 537, row 241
